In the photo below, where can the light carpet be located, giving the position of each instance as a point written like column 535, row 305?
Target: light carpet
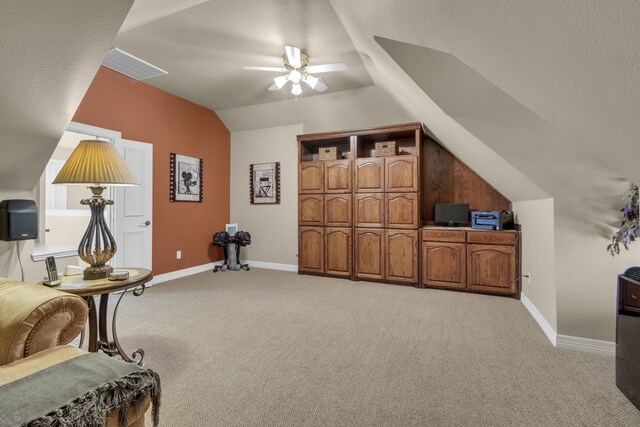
column 270, row 348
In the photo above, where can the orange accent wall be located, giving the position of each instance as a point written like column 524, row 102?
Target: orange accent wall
column 173, row 125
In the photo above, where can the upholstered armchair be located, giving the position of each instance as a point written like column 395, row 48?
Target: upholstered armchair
column 45, row 382
column 34, row 318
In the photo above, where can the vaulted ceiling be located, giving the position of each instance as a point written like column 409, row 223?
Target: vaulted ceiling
column 572, row 65
column 49, row 53
column 204, row 44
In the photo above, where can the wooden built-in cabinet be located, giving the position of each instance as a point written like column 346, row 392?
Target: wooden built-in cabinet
column 369, row 175
column 401, row 255
column 401, row 173
column 369, row 210
column 311, row 209
column 360, row 214
column 367, row 207
column 337, row 176
column 311, row 249
column 444, row 264
column 337, row 210
column 492, row 268
column 311, row 177
column 369, row 253
column 471, row 260
column 338, row 254
column 401, row 210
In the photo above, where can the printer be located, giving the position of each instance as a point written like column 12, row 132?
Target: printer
column 492, row 220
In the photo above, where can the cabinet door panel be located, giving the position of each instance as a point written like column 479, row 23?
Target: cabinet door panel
column 369, row 210
column 369, row 259
column 401, row 173
column 310, row 209
column 402, row 255
column 311, row 249
column 337, row 176
column 369, row 175
column 338, row 251
column 444, row 264
column 492, row 268
column 337, row 210
column 311, row 177
column 401, row 210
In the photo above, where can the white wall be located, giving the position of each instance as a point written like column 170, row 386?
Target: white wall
column 538, row 255
column 273, row 228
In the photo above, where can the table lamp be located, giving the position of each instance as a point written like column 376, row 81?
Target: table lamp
column 96, row 164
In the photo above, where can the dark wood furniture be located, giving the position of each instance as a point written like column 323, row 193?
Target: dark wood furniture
column 471, row 260
column 628, row 339
column 98, row 322
column 360, row 216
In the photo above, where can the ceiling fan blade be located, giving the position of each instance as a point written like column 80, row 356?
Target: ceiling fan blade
column 321, row 86
column 257, row 68
column 327, row 68
column 293, row 56
column 274, row 87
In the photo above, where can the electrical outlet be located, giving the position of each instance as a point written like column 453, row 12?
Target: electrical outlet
column 528, row 276
column 178, row 254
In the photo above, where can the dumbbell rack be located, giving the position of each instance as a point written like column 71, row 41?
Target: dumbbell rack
column 224, row 240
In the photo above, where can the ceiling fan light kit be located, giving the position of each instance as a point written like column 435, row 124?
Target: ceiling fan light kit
column 296, row 66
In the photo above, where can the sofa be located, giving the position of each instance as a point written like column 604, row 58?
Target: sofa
column 43, row 381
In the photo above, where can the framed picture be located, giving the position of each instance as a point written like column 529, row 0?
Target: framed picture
column 265, row 183
column 186, row 178
column 232, row 229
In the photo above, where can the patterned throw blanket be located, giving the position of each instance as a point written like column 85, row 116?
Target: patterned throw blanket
column 80, row 391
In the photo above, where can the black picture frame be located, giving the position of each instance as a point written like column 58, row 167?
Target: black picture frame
column 264, row 183
column 186, row 175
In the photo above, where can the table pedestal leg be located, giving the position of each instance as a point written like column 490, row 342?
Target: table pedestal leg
column 93, row 325
column 99, row 327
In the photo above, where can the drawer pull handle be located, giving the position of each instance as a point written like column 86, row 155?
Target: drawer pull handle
column 633, row 296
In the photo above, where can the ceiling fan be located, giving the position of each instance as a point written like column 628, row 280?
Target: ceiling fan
column 297, row 70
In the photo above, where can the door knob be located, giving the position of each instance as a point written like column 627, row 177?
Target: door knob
column 146, row 223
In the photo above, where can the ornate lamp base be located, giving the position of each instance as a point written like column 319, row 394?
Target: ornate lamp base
column 91, row 273
column 97, row 246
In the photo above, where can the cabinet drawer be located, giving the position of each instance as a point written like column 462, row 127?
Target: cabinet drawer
column 437, row 235
column 492, row 237
column 631, row 295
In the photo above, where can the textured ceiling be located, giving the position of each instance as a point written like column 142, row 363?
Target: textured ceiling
column 204, row 44
column 49, row 53
column 573, row 63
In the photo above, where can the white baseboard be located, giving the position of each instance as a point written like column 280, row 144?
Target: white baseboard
column 208, row 267
column 567, row 342
column 272, row 266
column 586, row 345
column 539, row 318
column 182, row 273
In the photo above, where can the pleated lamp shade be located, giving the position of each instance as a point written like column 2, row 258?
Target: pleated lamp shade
column 97, row 163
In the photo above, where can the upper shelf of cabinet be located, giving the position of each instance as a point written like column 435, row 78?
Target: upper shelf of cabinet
column 361, row 143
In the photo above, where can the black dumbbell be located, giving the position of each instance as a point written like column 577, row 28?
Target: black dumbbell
column 221, row 239
column 243, row 238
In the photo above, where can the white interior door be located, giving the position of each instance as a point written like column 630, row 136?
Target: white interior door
column 134, row 207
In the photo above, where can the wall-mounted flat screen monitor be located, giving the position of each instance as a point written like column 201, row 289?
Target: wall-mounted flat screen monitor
column 452, row 214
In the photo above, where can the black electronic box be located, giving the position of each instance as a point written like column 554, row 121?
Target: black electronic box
column 492, row 220
column 18, row 220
